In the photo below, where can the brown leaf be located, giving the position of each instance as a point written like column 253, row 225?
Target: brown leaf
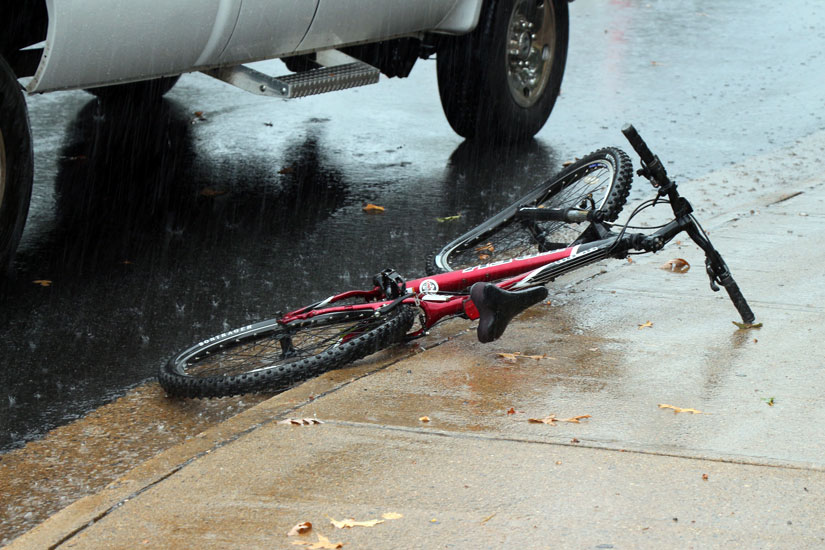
column 322, row 544
column 551, row 420
column 514, row 357
column 648, row 324
column 676, row 265
column 301, row 421
column 705, row 477
column 373, row 209
column 679, row 409
column 424, row 419
column 742, row 326
column 511, row 410
column 485, row 251
column 42, row 282
column 349, row 523
column 574, row 440
column 286, row 170
column 212, row 192
column 300, row 529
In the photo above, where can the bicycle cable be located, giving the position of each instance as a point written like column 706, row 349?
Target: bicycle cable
column 646, row 204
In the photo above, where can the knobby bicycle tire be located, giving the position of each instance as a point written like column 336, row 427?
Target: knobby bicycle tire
column 599, row 181
column 270, row 356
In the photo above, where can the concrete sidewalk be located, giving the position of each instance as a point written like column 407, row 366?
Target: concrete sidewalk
column 748, row 472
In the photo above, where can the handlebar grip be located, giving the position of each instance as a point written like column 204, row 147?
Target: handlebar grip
column 638, row 144
column 738, row 300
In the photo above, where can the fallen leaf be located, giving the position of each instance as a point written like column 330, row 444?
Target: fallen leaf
column 485, row 248
column 551, row 420
column 322, row 544
column 511, row 410
column 449, row 218
column 300, row 529
column 679, row 409
column 648, row 324
column 629, row 260
column 514, row 357
column 301, row 421
column 676, row 265
column 212, row 192
column 373, row 208
column 286, row 170
column 424, row 419
column 42, row 282
column 392, row 515
column 349, row 523
column 770, row 401
column 747, row 326
column 574, row 440
column 705, row 477
column 488, row 518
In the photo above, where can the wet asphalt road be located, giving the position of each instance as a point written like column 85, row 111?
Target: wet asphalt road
column 158, row 227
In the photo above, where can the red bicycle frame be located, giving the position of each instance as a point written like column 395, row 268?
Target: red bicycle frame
column 440, row 296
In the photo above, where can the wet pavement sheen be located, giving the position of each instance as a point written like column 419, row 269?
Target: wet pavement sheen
column 158, row 226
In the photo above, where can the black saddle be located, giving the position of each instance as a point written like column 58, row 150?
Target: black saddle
column 497, row 307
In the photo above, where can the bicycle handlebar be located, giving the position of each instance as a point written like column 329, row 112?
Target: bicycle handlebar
column 738, row 300
column 638, row 144
column 652, row 167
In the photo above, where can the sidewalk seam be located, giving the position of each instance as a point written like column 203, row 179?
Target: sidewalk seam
column 226, row 441
column 745, row 461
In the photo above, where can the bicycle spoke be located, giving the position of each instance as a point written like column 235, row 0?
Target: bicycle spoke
column 282, row 348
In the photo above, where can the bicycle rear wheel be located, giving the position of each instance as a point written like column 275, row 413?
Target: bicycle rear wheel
column 599, row 181
column 270, row 356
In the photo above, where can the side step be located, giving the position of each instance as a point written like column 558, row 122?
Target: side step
column 314, row 81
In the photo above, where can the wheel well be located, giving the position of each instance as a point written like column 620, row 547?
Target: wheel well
column 24, row 22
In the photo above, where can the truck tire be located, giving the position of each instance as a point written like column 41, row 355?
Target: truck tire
column 499, row 83
column 16, row 164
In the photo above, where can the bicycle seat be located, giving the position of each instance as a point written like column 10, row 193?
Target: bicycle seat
column 497, row 307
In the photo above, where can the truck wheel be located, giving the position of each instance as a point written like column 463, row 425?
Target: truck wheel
column 500, row 82
column 141, row 91
column 16, row 163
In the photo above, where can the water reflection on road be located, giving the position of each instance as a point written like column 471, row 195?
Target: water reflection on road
column 158, row 237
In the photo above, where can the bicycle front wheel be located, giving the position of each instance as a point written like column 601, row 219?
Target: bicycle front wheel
column 599, row 181
column 270, row 356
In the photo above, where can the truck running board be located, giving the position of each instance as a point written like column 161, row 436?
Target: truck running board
column 314, row 81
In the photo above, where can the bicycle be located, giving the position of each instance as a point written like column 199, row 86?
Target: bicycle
column 491, row 273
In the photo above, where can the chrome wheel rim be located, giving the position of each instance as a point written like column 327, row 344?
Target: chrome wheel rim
column 531, row 39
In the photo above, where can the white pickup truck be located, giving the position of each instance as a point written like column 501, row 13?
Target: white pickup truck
column 499, row 62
